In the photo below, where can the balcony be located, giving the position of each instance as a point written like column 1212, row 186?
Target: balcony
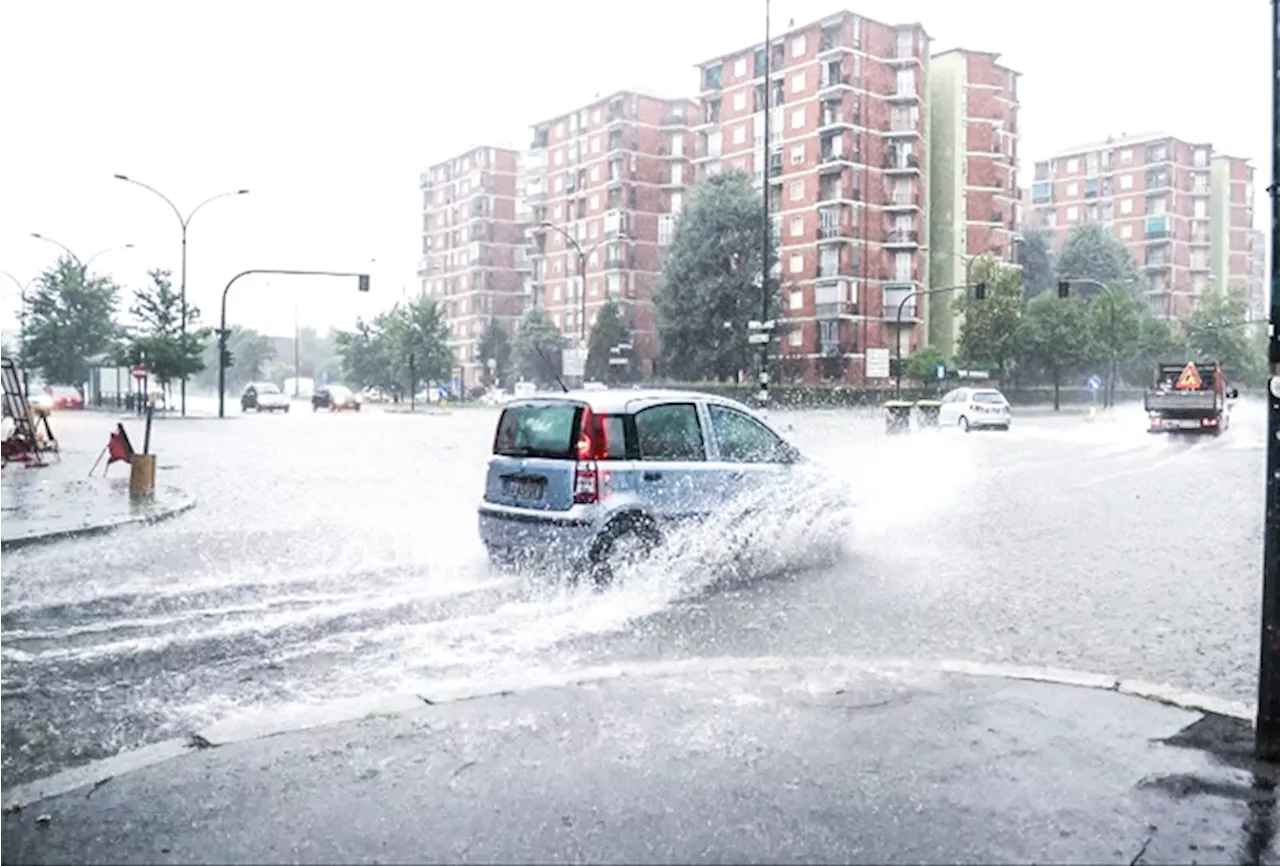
column 899, row 200
column 834, row 311
column 711, row 79
column 834, row 117
column 830, row 83
column 901, row 302
column 834, row 232
column 902, row 238
column 831, row 41
column 425, row 266
column 900, row 163
column 904, row 54
column 424, row 180
column 674, row 118
column 905, row 94
column 832, row 159
column 899, row 126
column 1157, row 263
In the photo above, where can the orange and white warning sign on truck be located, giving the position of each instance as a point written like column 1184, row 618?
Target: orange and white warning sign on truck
column 1189, row 380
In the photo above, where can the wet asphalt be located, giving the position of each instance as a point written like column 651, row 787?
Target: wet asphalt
column 335, row 556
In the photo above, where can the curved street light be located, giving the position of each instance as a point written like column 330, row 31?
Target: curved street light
column 82, row 264
column 184, row 222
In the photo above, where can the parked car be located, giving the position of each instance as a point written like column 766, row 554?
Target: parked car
column 263, row 397
column 335, row 398
column 971, row 408
column 53, row 397
column 594, row 479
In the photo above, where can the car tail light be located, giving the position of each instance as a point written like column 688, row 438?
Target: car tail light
column 593, row 445
column 1208, row 422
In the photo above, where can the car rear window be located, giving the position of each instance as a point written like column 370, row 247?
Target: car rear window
column 988, row 397
column 537, row 430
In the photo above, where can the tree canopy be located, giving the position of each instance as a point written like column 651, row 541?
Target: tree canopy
column 1214, row 331
column 159, row 340
column 1035, row 254
column 402, row 349
column 608, row 331
column 988, row 333
column 710, row 284
column 1053, row 337
column 538, row 344
column 1093, row 253
column 70, row 319
column 494, row 346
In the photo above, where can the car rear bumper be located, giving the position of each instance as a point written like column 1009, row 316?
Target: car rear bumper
column 519, row 534
column 990, row 420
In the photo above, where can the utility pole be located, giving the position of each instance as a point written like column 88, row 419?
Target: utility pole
column 767, row 230
column 297, row 369
column 1267, row 742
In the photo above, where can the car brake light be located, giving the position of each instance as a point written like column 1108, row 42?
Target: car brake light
column 593, row 445
column 1208, row 422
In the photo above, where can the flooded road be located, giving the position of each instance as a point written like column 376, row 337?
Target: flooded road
column 336, row 556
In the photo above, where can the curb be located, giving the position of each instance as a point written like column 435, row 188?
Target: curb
column 355, row 709
column 157, row 516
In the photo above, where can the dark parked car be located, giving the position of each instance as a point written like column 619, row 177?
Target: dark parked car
column 335, row 398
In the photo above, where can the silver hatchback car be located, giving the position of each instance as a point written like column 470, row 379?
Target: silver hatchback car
column 594, row 479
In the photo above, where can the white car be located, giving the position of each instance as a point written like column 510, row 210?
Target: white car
column 970, row 408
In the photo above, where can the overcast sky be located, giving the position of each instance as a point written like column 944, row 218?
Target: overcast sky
column 327, row 112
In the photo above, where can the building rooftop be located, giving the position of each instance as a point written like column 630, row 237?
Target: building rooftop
column 1120, row 140
column 600, row 100
column 994, row 55
column 825, row 19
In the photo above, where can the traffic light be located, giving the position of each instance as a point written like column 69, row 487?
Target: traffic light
column 895, row 368
column 980, row 290
column 364, row 282
column 1064, row 288
column 227, row 358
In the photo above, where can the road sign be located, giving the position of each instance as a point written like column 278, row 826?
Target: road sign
column 758, row 338
column 1094, row 383
column 877, row 363
column 573, row 362
column 1190, row 379
column 942, row 371
column 139, row 372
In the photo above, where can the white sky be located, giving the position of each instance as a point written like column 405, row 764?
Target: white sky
column 327, row 113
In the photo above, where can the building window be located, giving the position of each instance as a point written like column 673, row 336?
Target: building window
column 595, row 202
column 1073, row 214
column 797, row 263
column 1073, row 189
column 595, row 173
column 677, row 202
column 797, row 46
column 797, row 190
column 740, row 101
column 740, row 134
column 595, row 144
column 795, row 337
column 1126, row 157
column 797, row 82
column 1073, row 165
column 797, row 119
column 1126, row 231
column 1126, row 181
column 797, row 154
column 666, row 229
column 740, row 67
column 797, row 299
column 797, row 226
column 559, row 185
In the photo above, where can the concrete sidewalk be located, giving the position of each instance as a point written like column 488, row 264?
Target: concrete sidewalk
column 776, row 761
column 58, row 501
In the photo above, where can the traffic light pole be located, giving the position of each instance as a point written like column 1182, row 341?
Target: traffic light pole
column 1267, row 741
column 224, row 356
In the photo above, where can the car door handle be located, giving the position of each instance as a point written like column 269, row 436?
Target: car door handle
column 653, row 476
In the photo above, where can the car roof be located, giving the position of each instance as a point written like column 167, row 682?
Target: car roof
column 627, row 400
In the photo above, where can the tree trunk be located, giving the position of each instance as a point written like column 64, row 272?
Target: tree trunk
column 1057, row 381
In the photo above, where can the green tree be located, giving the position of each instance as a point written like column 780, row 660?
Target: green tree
column 70, row 318
column 363, row 354
column 1035, row 254
column 988, row 332
column 1115, row 322
column 1215, row 331
column 1092, row 253
column 1053, row 338
column 1155, row 343
column 494, row 346
column 538, row 344
column 923, row 365
column 159, row 341
column 710, row 284
column 608, row 331
column 417, row 332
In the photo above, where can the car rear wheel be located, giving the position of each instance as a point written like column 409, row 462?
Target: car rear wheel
column 624, row 543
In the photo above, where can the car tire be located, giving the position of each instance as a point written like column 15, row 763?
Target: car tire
column 964, row 424
column 624, row 541
column 286, row 410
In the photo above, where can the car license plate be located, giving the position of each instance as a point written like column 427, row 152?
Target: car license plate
column 523, row 488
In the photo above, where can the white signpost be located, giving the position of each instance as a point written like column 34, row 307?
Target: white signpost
column 573, row 363
column 877, row 363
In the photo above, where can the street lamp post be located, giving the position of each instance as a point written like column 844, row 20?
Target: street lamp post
column 582, row 288
column 980, row 292
column 82, row 264
column 184, row 222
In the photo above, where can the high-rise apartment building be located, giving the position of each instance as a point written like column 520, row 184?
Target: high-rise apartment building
column 1259, row 296
column 973, row 188
column 609, row 175
column 1166, row 199
column 470, row 244
column 1230, row 223
column 847, row 180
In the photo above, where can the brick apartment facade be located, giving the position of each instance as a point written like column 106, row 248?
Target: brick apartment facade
column 471, row 242
column 1183, row 212
column 973, row 155
column 611, row 174
column 1259, row 296
column 847, row 179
